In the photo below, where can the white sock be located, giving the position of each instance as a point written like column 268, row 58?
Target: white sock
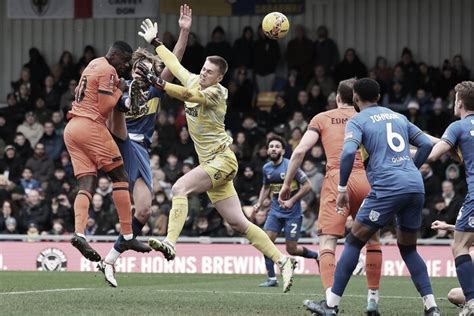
column 128, row 237
column 429, row 301
column 332, row 299
column 81, row 235
column 169, row 242
column 373, row 295
column 112, row 256
column 272, row 278
column 281, row 260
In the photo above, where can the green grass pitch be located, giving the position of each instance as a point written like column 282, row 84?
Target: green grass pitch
column 76, row 293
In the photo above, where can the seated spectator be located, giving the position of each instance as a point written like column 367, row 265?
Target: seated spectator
column 410, row 70
column 172, row 168
column 69, row 71
column 104, row 217
column 325, row 49
column 104, row 189
column 65, row 102
column 91, row 227
column 431, row 182
column 11, row 165
column 424, row 100
column 32, row 87
column 427, row 78
column 253, row 132
column 439, row 119
column 37, row 65
column 447, row 82
column 320, row 78
column 41, row 165
column 61, row 209
column 10, row 227
column 350, row 67
column 65, row 163
column 295, row 138
column 317, row 100
column 397, row 98
column 453, row 174
column 7, row 212
column 308, row 223
column 460, row 70
column 53, row 144
column 248, row 184
column 24, row 99
column 58, row 123
column 27, row 182
column 35, row 211
column 51, row 95
column 184, row 147
column 243, row 151
column 298, row 121
column 41, row 112
column 414, row 116
column 383, row 73
column 57, row 228
column 31, row 129
column 88, row 55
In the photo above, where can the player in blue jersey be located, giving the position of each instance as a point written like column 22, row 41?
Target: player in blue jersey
column 286, row 216
column 133, row 132
column 460, row 135
column 396, row 191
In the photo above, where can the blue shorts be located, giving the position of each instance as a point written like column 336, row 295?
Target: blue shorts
column 291, row 225
column 378, row 212
column 136, row 161
column 465, row 219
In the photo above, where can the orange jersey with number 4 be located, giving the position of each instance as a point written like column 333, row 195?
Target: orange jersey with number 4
column 97, row 92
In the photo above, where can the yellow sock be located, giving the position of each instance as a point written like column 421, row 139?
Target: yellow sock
column 178, row 215
column 262, row 242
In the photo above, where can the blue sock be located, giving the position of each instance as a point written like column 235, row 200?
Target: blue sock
column 136, row 229
column 270, row 267
column 309, row 254
column 465, row 271
column 417, row 268
column 346, row 264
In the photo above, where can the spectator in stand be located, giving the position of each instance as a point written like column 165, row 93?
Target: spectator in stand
column 88, row 55
column 241, row 147
column 316, row 155
column 280, row 111
column 413, row 114
column 295, row 138
column 304, row 105
column 266, row 58
column 260, row 157
column 58, row 123
column 299, row 53
column 253, row 133
column 298, row 121
column 168, row 40
column 10, row 227
column 42, row 113
column 397, row 98
column 166, row 131
column 69, row 70
column 447, row 81
column 220, row 46
column 325, row 50
column 55, row 185
column 410, row 70
column 461, row 71
column 57, row 228
column 7, row 130
column 31, row 129
column 245, row 91
column 41, row 165
column 51, row 94
column 11, row 164
column 65, row 163
column 13, row 112
column 431, row 182
column 194, row 55
column 24, row 98
column 453, row 174
column 291, row 89
column 61, row 209
column 103, row 216
column 350, row 67
column 27, row 182
column 60, row 84
column 316, row 178
column 172, row 168
column 25, row 79
column 320, row 78
column 184, row 147
column 104, row 188
column 35, row 211
column 383, row 74
column 439, row 119
column 6, row 213
column 308, row 223
column 37, row 65
column 425, row 101
column 331, row 103
column 248, row 185
column 53, row 144
column 23, row 147
column 316, row 98
column 67, row 97
column 426, row 79
column 244, row 49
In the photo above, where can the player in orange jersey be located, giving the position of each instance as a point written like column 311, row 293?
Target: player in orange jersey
column 92, row 147
column 330, row 127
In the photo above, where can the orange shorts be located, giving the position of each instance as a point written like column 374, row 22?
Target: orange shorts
column 329, row 221
column 91, row 146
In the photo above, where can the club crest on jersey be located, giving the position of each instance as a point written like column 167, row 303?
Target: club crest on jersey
column 471, row 221
column 282, row 175
column 51, row 259
column 191, row 111
column 374, row 215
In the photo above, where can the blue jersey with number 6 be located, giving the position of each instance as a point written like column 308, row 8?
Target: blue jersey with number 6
column 386, row 138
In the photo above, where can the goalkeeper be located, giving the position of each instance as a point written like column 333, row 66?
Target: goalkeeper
column 205, row 107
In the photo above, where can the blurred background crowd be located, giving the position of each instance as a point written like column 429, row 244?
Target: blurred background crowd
column 37, row 186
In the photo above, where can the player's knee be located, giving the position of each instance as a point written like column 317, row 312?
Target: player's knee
column 87, row 183
column 142, row 211
column 354, row 241
column 179, row 188
column 118, row 174
column 405, row 250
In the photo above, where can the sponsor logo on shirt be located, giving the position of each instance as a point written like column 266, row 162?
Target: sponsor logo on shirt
column 374, row 215
column 471, row 221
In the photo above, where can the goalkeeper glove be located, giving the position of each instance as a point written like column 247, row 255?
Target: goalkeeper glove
column 150, row 32
column 149, row 76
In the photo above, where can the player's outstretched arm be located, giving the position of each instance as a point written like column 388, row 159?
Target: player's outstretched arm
column 150, row 34
column 440, row 225
column 185, row 21
column 310, row 138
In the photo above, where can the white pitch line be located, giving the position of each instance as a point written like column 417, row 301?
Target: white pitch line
column 43, row 291
column 283, row 294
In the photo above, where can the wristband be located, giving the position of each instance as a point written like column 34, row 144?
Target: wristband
column 342, row 189
column 156, row 42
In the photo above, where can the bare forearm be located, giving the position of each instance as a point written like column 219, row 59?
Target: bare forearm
column 264, row 192
column 295, row 162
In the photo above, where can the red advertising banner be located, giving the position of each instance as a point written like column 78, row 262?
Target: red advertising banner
column 196, row 258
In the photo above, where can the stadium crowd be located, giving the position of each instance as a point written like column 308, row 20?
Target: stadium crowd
column 37, row 186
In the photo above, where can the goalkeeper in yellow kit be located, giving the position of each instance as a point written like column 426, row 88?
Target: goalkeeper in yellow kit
column 205, row 107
